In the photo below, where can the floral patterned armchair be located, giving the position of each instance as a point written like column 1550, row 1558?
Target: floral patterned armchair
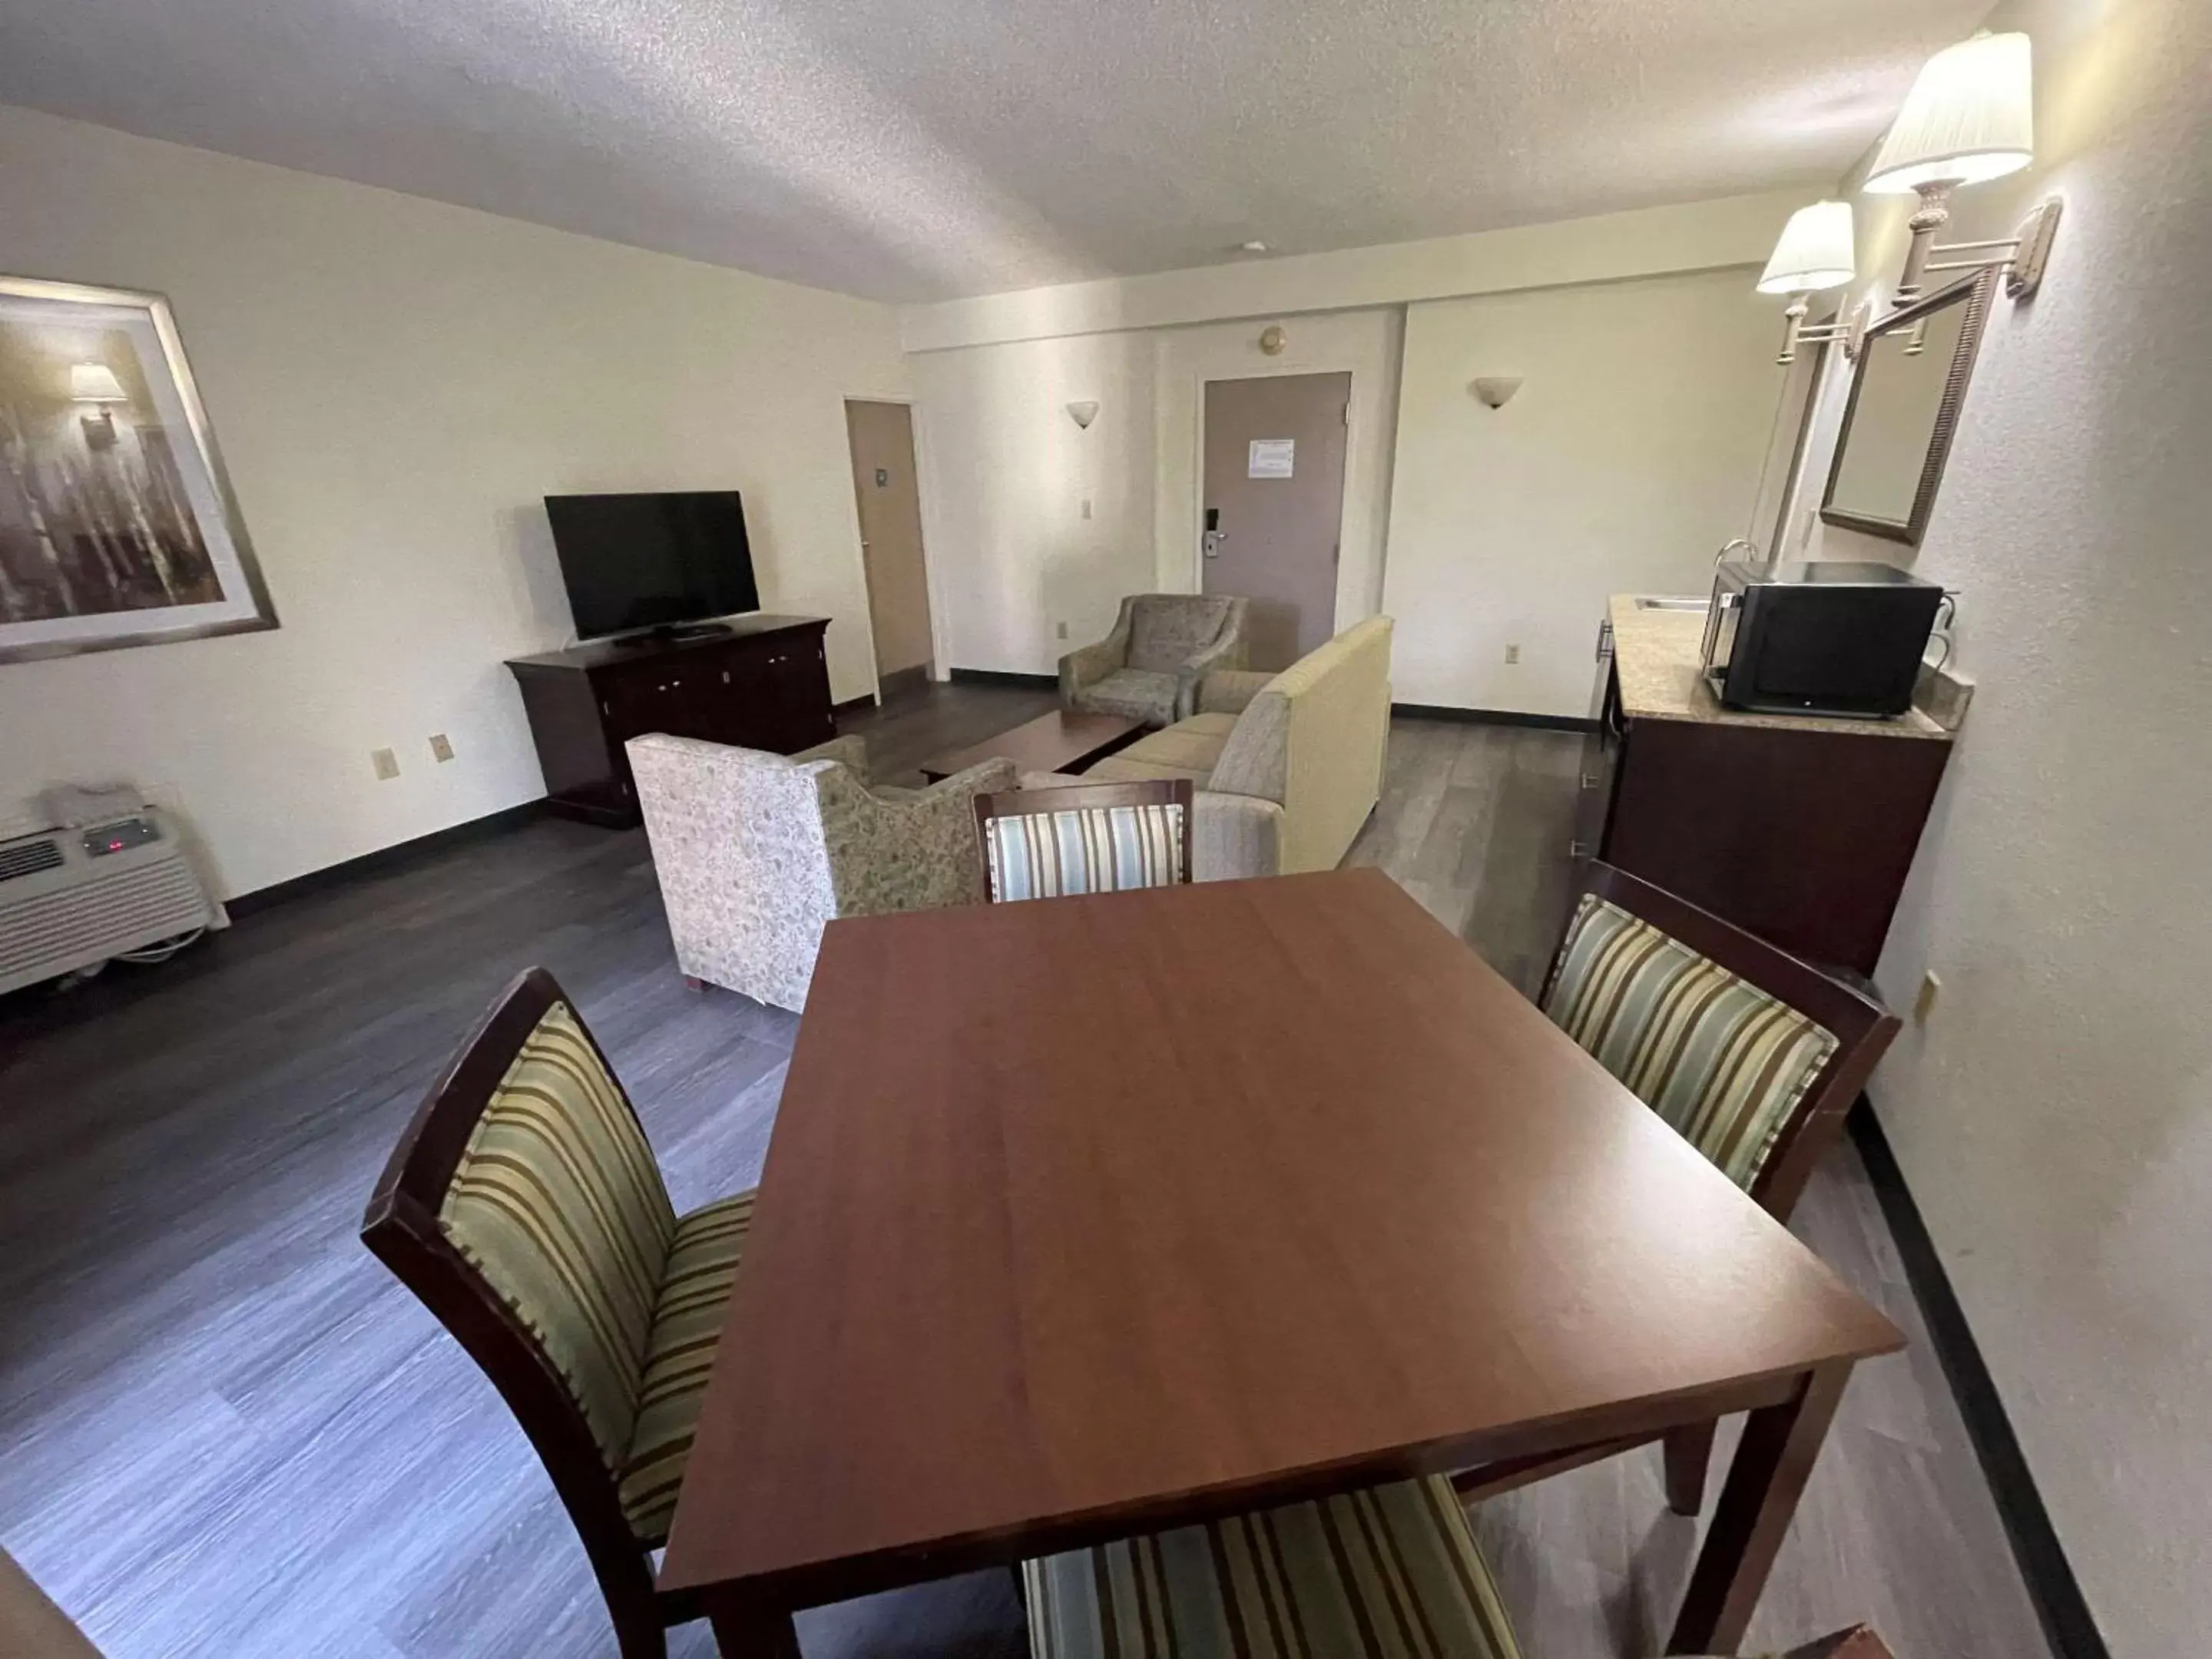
column 756, row 853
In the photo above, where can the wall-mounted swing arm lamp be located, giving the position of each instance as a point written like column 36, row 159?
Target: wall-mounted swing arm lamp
column 1969, row 117
column 1816, row 253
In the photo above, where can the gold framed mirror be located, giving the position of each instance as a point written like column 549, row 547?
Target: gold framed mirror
column 1907, row 389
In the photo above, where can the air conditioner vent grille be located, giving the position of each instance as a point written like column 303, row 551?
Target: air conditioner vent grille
column 29, row 858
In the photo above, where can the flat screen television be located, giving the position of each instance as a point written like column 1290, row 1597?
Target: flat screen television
column 655, row 562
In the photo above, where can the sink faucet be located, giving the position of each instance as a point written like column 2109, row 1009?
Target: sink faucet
column 1730, row 546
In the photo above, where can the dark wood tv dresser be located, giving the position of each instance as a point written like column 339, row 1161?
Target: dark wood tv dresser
column 756, row 681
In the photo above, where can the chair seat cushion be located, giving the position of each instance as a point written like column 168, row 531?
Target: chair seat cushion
column 1390, row 1572
column 1135, row 693
column 687, row 1323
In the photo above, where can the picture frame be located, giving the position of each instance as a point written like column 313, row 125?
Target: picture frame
column 118, row 526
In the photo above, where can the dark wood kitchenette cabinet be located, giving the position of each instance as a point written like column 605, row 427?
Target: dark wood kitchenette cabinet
column 1799, row 829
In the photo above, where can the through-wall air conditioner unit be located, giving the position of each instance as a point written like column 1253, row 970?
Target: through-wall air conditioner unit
column 75, row 898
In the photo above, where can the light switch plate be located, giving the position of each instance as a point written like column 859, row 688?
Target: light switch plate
column 1924, row 1004
column 441, row 747
column 386, row 763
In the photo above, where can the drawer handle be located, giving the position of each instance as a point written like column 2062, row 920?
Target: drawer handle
column 1590, row 780
column 1578, row 849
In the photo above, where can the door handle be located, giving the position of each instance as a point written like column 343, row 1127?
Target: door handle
column 1213, row 540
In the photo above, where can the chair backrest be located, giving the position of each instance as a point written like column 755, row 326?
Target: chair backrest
column 1167, row 629
column 524, row 1208
column 1084, row 838
column 1752, row 1055
column 1314, row 739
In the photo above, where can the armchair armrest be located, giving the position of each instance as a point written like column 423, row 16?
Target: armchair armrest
column 916, row 852
column 1230, row 690
column 851, row 749
column 1225, row 654
column 1089, row 664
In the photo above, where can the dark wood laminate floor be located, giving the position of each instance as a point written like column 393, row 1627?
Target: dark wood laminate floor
column 225, row 1431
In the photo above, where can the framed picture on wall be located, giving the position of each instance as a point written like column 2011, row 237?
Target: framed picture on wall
column 116, row 524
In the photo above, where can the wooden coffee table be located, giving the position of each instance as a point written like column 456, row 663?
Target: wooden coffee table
column 1062, row 741
column 1092, row 1216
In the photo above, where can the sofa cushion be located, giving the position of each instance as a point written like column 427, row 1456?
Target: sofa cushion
column 687, row 1325
column 1188, row 748
column 1134, row 694
column 1391, row 1572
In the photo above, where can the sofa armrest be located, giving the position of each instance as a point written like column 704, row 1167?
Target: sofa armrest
column 1234, row 836
column 1228, row 690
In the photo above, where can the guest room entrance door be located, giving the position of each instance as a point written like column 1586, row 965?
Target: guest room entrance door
column 1275, row 503
column 882, row 440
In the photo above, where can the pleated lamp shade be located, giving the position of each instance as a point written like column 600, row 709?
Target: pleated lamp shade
column 1971, row 116
column 1815, row 252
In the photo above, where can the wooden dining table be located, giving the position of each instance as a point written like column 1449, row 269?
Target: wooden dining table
column 1088, row 1217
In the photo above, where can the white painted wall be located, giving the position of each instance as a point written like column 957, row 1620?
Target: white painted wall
column 2054, row 1115
column 1365, row 343
column 1006, row 474
column 1631, row 452
column 395, row 383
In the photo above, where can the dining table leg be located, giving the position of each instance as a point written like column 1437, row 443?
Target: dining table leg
column 753, row 1633
column 1767, row 1476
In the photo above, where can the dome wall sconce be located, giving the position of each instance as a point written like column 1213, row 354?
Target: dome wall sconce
column 1494, row 391
column 1272, row 340
column 1084, row 412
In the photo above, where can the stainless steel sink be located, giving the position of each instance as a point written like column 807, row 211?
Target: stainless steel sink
column 1659, row 602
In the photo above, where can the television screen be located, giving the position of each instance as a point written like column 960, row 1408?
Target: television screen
column 634, row 561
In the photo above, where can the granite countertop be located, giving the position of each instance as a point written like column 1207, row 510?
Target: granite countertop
column 1658, row 657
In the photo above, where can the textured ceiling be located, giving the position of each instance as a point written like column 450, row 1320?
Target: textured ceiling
column 916, row 149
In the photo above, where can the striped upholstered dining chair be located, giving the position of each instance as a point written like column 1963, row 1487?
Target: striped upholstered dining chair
column 1055, row 842
column 524, row 1209
column 1752, row 1056
column 1390, row 1572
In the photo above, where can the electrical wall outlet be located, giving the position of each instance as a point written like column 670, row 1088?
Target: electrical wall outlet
column 1512, row 656
column 386, row 763
column 1924, row 1004
column 1062, row 630
column 441, row 747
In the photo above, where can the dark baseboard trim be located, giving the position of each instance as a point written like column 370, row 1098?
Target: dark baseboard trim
column 383, row 859
column 903, row 682
column 866, row 701
column 1434, row 711
column 996, row 677
column 2068, row 1624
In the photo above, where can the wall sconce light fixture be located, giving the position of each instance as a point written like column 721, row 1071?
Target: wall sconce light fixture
column 1816, row 252
column 1969, row 117
column 1084, row 412
column 1495, row 390
column 95, row 384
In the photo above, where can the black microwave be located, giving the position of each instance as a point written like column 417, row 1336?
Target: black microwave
column 1831, row 637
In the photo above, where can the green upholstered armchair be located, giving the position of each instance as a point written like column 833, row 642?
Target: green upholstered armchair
column 1162, row 647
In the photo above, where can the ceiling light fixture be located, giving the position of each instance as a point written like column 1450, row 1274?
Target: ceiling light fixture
column 1969, row 117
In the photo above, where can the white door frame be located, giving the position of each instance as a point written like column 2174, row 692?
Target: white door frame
column 922, row 490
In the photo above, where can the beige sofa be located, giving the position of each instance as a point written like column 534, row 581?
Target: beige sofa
column 1286, row 767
